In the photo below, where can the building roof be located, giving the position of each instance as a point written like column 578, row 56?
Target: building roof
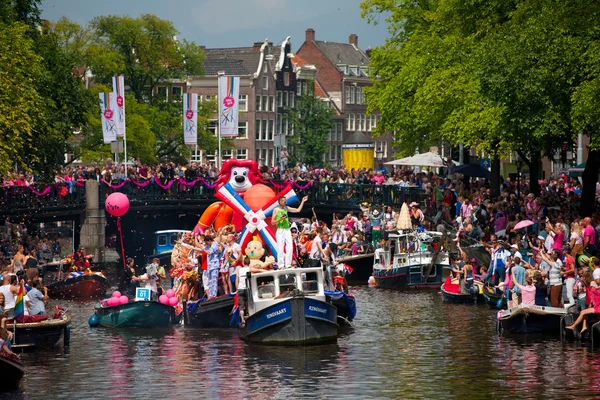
column 343, row 53
column 212, row 67
column 299, row 62
column 248, row 57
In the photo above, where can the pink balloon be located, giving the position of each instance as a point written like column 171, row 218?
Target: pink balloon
column 117, row 204
column 173, row 301
column 163, row 299
column 116, row 293
column 111, row 301
column 123, row 300
column 170, row 293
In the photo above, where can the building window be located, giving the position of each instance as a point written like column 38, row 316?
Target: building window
column 279, row 100
column 211, row 157
column 363, row 72
column 285, row 99
column 196, row 155
column 208, row 97
column 264, row 129
column 227, row 154
column 242, row 130
column 271, row 129
column 212, row 127
column 265, row 103
column 242, row 154
column 243, row 102
column 176, row 91
column 292, row 99
column 285, row 126
column 350, row 94
column 257, row 155
column 299, row 88
column 286, row 79
column 368, row 123
column 263, row 156
column 279, row 124
column 265, row 85
column 257, row 129
column 265, row 68
column 343, row 68
column 271, row 159
column 271, row 103
column 351, row 126
column 258, row 108
column 359, row 95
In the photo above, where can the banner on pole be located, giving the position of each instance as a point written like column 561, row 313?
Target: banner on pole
column 108, row 104
column 190, row 118
column 229, row 97
column 119, row 92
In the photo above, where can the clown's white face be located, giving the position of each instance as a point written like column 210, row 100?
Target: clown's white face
column 239, row 179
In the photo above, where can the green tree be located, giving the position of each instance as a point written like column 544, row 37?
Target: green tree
column 144, row 49
column 21, row 110
column 312, row 122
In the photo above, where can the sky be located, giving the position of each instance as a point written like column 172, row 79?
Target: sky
column 236, row 23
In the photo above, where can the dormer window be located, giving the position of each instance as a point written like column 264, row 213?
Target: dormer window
column 354, row 70
column 363, row 72
column 343, row 68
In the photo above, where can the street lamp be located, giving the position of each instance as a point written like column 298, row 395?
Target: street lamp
column 379, row 157
column 519, row 164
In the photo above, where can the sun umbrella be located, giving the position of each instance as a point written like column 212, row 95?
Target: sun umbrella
column 429, row 159
column 404, row 221
column 523, row 224
column 472, row 170
column 500, row 233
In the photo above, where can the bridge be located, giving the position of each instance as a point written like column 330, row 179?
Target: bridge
column 156, row 205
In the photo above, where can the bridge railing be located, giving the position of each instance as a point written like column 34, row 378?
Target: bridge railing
column 332, row 194
column 41, row 196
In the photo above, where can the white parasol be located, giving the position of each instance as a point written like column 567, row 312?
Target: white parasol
column 429, row 159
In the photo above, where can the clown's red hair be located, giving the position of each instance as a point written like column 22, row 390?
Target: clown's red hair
column 253, row 173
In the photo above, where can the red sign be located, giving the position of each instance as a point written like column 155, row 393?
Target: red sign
column 120, row 101
column 189, row 114
column 108, row 114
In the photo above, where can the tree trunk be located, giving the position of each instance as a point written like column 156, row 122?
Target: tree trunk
column 495, row 178
column 590, row 178
column 534, row 173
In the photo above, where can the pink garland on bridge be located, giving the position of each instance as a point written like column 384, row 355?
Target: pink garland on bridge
column 185, row 183
column 44, row 192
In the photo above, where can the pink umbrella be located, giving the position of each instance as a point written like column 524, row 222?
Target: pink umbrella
column 523, row 224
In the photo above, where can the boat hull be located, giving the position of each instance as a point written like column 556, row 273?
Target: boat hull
column 402, row 277
column 139, row 314
column 531, row 320
column 458, row 298
column 362, row 267
column 493, row 300
column 11, row 371
column 295, row 321
column 345, row 304
column 214, row 313
column 79, row 287
column 38, row 335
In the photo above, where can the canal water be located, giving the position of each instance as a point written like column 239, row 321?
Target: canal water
column 404, row 345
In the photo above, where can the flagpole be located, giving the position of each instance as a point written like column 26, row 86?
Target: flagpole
column 219, row 123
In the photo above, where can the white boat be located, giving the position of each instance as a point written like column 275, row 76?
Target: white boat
column 289, row 307
column 526, row 319
column 412, row 259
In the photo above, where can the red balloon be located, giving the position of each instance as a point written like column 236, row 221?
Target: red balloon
column 117, row 204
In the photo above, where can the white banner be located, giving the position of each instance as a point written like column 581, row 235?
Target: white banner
column 190, row 118
column 229, row 98
column 108, row 104
column 119, row 92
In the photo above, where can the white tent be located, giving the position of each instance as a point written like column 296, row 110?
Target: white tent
column 428, row 159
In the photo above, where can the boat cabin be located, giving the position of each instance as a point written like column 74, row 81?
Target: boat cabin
column 271, row 287
column 165, row 240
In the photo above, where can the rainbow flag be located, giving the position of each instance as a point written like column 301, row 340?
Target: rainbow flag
column 20, row 303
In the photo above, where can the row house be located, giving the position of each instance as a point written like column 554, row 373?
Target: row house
column 255, row 67
column 342, row 73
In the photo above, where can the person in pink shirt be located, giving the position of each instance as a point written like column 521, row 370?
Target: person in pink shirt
column 589, row 236
column 527, row 290
column 558, row 234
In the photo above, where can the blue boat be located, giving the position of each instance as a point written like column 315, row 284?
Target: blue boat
column 289, row 307
column 164, row 242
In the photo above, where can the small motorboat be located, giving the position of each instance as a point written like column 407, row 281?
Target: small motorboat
column 493, row 299
column 527, row 319
column 213, row 313
column 11, row 371
column 289, row 307
column 452, row 293
column 79, row 285
column 360, row 267
column 412, row 260
column 165, row 242
column 137, row 314
column 345, row 304
column 40, row 332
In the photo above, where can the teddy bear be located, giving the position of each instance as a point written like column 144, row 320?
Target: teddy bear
column 255, row 251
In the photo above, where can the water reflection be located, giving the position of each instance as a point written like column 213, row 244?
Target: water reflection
column 405, row 345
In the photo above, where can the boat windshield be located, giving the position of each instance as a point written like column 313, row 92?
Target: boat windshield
column 173, row 240
column 287, row 282
column 310, row 283
column 266, row 287
column 162, row 240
